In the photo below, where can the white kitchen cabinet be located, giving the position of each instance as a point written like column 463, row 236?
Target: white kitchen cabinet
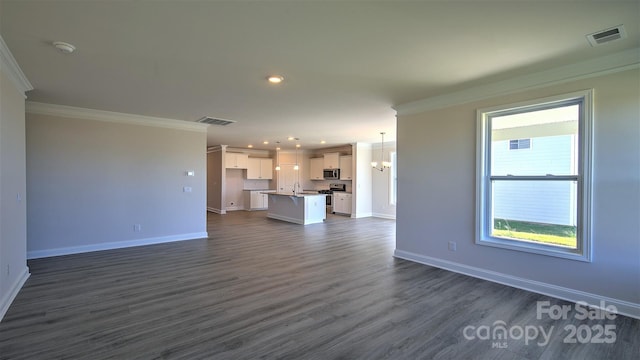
column 260, row 169
column 345, row 167
column 341, row 203
column 236, row 160
column 256, row 199
column 332, row 161
column 316, row 165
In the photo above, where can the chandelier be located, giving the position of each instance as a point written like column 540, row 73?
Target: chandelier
column 384, row 164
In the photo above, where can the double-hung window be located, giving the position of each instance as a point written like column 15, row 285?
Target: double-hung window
column 533, row 176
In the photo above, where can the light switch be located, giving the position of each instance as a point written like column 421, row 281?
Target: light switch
column 191, row 173
column 186, row 189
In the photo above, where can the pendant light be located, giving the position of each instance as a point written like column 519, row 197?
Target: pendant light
column 296, row 166
column 385, row 164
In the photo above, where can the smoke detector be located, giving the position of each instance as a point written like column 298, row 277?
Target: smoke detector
column 64, row 47
column 607, row 35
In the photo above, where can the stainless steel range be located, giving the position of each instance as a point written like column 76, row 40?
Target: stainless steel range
column 332, row 188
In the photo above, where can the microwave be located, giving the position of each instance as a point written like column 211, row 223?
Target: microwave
column 331, row 174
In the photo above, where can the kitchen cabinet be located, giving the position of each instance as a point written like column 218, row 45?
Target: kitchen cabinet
column 316, row 165
column 332, row 161
column 236, row 160
column 345, row 167
column 342, row 202
column 256, row 199
column 260, row 169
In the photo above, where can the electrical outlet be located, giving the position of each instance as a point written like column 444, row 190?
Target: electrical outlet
column 452, row 246
column 231, row 203
column 137, row 227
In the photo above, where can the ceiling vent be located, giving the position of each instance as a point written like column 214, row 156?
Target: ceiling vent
column 214, row 121
column 605, row 36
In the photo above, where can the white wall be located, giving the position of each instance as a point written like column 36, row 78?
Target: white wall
column 437, row 196
column 13, row 214
column 362, row 181
column 381, row 181
column 90, row 181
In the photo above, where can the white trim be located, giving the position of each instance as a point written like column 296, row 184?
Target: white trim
column 625, row 60
column 215, row 148
column 361, row 215
column 110, row 116
column 113, row 245
column 624, row 307
column 384, row 216
column 8, row 298
column 13, row 69
column 217, row 211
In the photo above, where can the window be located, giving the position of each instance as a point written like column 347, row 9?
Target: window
column 533, row 176
column 393, row 179
column 519, row 144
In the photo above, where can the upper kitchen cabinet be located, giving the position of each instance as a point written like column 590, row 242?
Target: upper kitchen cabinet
column 316, row 165
column 332, row 160
column 260, row 169
column 345, row 167
column 236, row 161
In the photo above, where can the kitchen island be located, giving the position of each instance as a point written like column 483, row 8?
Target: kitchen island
column 300, row 208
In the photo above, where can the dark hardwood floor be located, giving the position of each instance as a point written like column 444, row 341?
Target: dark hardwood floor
column 262, row 288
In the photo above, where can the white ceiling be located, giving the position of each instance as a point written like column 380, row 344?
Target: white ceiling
column 346, row 64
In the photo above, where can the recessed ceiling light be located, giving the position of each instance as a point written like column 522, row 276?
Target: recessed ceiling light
column 64, row 47
column 297, row 145
column 265, row 142
column 249, row 146
column 278, row 149
column 322, row 142
column 290, row 138
column 275, row 79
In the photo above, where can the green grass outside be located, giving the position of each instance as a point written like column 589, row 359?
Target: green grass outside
column 559, row 235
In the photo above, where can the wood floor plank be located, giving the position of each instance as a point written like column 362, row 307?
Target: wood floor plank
column 262, row 288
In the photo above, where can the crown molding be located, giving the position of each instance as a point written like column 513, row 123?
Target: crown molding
column 15, row 73
column 621, row 61
column 109, row 116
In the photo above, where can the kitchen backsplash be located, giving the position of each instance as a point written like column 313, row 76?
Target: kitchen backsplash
column 256, row 184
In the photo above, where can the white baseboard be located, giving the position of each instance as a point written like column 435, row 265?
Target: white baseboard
column 113, row 245
column 8, row 298
column 624, row 307
column 361, row 215
column 384, row 216
column 217, row 211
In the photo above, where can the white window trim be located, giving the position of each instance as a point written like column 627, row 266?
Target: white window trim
column 393, row 174
column 584, row 248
